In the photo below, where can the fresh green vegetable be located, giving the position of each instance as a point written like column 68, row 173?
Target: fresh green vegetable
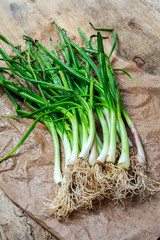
column 68, row 96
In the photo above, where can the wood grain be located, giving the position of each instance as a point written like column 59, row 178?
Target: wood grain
column 136, row 22
column 137, row 25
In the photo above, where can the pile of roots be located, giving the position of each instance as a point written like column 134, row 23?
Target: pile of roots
column 84, row 185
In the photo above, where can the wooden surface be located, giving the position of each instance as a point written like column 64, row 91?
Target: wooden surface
column 15, row 224
column 137, row 25
column 136, row 22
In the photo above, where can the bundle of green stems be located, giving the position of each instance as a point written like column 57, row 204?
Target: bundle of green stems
column 71, row 97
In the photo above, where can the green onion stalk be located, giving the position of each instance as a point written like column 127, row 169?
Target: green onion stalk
column 80, row 184
column 50, row 88
column 70, row 97
column 109, row 154
column 123, row 179
column 143, row 184
column 85, row 189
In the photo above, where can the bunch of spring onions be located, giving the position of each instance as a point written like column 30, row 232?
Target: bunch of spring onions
column 71, row 97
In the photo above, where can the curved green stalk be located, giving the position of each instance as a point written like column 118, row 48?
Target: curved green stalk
column 92, row 130
column 93, row 153
column 75, row 148
column 124, row 160
column 86, row 148
column 108, row 96
column 84, row 134
column 122, row 70
column 114, row 34
column 57, row 167
column 99, row 144
column 26, row 135
column 140, row 151
column 64, row 137
column 105, row 130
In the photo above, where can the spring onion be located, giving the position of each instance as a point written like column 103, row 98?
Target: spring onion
column 70, row 97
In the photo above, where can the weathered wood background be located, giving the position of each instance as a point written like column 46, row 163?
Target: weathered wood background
column 137, row 24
